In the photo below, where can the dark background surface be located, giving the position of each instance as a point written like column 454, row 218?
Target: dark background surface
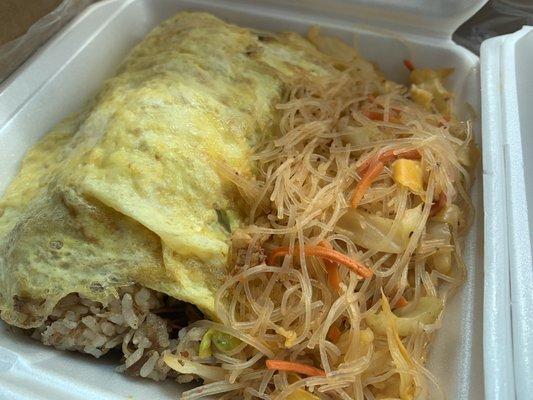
column 16, row 16
column 496, row 18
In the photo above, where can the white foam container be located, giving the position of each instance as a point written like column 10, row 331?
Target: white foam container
column 64, row 74
column 507, row 91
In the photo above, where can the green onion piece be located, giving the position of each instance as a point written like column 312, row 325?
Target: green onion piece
column 224, row 342
column 223, row 219
column 205, row 345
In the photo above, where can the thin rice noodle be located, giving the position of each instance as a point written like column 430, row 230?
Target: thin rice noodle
column 306, row 175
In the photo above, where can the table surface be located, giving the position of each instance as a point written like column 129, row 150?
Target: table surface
column 16, row 16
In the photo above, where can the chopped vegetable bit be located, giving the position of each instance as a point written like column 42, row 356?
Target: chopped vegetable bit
column 409, row 65
column 370, row 176
column 366, row 336
column 297, row 367
column 421, row 96
column 400, row 356
column 362, row 135
column 327, row 254
column 205, row 345
column 451, row 214
column 223, row 220
column 468, row 155
column 334, row 279
column 442, row 258
column 424, row 75
column 442, row 261
column 394, row 116
column 181, row 365
column 334, row 333
column 407, row 319
column 402, row 302
column 428, row 83
column 224, row 342
column 408, row 173
column 388, row 156
column 289, row 335
column 372, row 231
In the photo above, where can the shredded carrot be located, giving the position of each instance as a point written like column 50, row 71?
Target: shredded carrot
column 327, row 254
column 373, row 115
column 299, row 368
column 334, row 333
column 334, row 278
column 388, row 156
column 438, row 205
column 402, row 302
column 394, row 116
column 409, row 65
column 370, row 176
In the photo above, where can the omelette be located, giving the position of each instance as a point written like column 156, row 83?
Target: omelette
column 127, row 191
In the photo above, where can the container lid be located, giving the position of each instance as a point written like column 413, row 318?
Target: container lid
column 424, row 17
column 507, row 106
column 431, row 18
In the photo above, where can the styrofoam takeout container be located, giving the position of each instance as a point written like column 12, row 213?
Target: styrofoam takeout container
column 61, row 77
column 507, row 91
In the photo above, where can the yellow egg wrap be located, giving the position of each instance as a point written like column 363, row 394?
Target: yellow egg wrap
column 127, row 190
